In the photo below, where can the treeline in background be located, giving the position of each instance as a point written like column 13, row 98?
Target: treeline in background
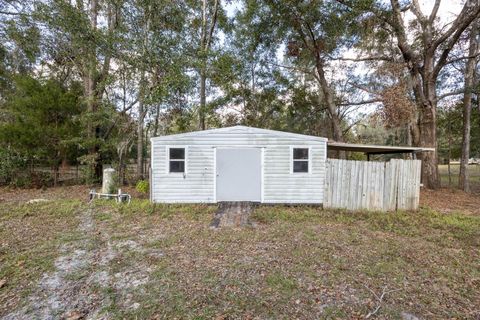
column 86, row 83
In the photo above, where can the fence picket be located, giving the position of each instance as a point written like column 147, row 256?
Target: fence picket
column 355, row 185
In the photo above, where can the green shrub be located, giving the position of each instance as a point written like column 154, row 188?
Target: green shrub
column 142, row 186
column 12, row 165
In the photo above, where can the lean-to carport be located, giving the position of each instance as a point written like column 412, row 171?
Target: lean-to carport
column 375, row 149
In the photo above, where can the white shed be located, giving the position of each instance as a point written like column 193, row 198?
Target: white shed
column 238, row 164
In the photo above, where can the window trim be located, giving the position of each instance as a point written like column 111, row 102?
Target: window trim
column 167, row 159
column 309, row 160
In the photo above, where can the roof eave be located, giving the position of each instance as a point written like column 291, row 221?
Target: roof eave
column 232, row 129
column 375, row 149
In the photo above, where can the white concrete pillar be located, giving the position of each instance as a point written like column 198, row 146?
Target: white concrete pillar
column 108, row 182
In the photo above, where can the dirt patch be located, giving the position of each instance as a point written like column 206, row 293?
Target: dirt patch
column 232, row 214
column 78, row 192
column 451, row 200
column 143, row 261
column 12, row 195
column 78, row 287
column 60, row 293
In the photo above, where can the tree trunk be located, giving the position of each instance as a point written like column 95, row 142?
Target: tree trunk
column 425, row 65
column 205, row 42
column 140, row 175
column 329, row 100
column 99, row 76
column 91, row 95
column 449, row 133
column 463, row 182
column 141, row 99
column 140, row 136
column 55, row 175
column 428, row 138
column 203, row 80
column 426, row 100
column 157, row 115
column 203, row 100
column 121, row 175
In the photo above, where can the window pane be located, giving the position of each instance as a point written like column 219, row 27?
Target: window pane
column 177, row 166
column 300, row 153
column 177, row 153
column 300, row 166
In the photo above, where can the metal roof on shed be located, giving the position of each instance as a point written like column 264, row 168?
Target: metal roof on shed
column 239, row 130
column 331, row 145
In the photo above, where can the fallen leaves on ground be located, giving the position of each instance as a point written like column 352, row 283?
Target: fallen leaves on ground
column 163, row 261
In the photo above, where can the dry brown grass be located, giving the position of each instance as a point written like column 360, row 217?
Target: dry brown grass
column 30, row 236
column 451, row 200
column 299, row 262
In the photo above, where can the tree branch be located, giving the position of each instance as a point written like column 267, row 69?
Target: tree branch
column 360, row 87
column 434, row 12
column 461, row 22
column 304, row 70
column 212, row 26
column 462, row 58
column 454, row 38
column 358, row 103
column 345, row 131
column 10, row 13
column 417, row 11
column 452, row 93
column 130, row 106
column 379, row 298
column 372, row 58
column 377, row 13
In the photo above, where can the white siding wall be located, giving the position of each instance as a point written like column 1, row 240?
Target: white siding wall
column 198, row 185
column 281, row 186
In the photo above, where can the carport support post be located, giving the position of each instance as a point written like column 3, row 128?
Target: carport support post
column 368, row 156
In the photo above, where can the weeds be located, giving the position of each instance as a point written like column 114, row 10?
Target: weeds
column 299, row 262
column 404, row 223
column 145, row 207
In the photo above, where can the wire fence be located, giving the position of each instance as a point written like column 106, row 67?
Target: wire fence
column 78, row 174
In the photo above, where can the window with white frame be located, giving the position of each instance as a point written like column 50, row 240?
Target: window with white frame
column 176, row 160
column 300, row 160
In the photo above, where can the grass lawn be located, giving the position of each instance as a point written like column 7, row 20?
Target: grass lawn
column 473, row 170
column 68, row 258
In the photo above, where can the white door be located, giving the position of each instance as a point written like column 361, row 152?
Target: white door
column 239, row 174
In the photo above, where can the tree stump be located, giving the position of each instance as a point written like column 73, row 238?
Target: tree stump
column 232, row 214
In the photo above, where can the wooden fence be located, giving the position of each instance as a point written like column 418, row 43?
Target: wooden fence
column 387, row 186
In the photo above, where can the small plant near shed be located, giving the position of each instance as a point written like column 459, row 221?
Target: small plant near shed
column 142, row 186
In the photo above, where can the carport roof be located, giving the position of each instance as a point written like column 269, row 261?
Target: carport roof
column 374, row 149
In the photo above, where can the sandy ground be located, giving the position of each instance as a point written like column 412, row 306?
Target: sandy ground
column 11, row 195
column 78, row 287
column 85, row 267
